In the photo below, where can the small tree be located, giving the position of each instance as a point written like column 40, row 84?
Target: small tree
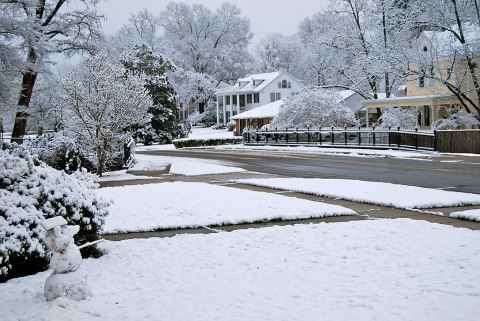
column 314, row 107
column 163, row 127
column 99, row 103
column 398, row 117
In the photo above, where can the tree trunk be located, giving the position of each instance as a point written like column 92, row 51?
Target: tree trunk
column 28, row 82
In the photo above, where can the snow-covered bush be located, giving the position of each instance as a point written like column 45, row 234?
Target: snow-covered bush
column 195, row 117
column 60, row 152
column 231, row 126
column 458, row 118
column 30, row 191
column 314, row 107
column 395, row 117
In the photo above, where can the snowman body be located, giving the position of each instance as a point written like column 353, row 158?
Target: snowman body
column 66, row 280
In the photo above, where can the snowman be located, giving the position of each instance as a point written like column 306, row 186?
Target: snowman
column 66, row 280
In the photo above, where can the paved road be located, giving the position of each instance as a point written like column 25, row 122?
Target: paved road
column 456, row 173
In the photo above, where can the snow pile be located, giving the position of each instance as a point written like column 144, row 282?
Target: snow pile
column 29, row 191
column 471, row 215
column 176, row 205
column 384, row 194
column 394, row 270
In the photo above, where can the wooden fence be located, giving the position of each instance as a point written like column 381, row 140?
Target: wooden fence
column 465, row 141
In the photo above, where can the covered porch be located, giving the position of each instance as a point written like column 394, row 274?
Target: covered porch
column 432, row 108
column 231, row 104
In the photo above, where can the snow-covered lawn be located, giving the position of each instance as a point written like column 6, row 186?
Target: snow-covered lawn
column 385, row 194
column 471, row 215
column 365, row 270
column 175, row 205
column 121, row 176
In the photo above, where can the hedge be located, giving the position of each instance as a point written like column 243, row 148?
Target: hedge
column 182, row 143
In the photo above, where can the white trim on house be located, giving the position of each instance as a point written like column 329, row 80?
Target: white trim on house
column 254, row 91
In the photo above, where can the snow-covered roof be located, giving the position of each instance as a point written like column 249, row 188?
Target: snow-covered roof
column 346, row 93
column 265, row 111
column 251, row 83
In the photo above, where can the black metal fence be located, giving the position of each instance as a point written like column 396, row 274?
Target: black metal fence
column 331, row 136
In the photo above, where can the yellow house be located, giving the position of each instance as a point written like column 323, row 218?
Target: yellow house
column 425, row 89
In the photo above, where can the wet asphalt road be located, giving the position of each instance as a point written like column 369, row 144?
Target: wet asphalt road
column 450, row 172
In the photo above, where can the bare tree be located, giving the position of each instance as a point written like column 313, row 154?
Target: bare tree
column 100, row 103
column 43, row 27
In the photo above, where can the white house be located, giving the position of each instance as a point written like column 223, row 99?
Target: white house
column 254, row 91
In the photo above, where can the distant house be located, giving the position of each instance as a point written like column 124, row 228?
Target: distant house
column 426, row 90
column 254, row 91
column 354, row 101
column 257, row 117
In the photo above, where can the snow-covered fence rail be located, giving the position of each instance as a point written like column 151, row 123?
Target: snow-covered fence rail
column 331, row 136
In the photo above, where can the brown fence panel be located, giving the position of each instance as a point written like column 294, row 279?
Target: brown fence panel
column 458, row 141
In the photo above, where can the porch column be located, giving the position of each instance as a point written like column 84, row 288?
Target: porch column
column 366, row 117
column 238, row 104
column 224, row 109
column 218, row 111
column 231, row 107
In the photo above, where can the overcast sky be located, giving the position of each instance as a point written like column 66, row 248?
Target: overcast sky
column 266, row 16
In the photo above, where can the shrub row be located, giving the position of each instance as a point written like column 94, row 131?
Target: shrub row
column 182, row 143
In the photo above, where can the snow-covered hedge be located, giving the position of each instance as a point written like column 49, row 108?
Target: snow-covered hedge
column 186, row 142
column 30, row 191
column 61, row 152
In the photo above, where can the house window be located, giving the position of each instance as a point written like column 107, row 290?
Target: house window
column 234, row 98
column 421, row 80
column 257, row 82
column 275, row 97
column 284, row 84
column 431, row 78
column 227, row 100
column 242, row 100
column 249, row 98
column 256, row 98
column 289, row 85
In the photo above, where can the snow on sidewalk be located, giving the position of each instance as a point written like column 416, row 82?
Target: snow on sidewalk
column 392, row 270
column 384, row 194
column 179, row 204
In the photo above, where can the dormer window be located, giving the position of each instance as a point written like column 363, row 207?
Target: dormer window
column 284, row 84
column 257, row 82
column 242, row 83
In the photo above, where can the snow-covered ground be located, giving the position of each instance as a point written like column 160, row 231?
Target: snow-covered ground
column 385, row 194
column 175, row 205
column 471, row 215
column 121, row 176
column 365, row 270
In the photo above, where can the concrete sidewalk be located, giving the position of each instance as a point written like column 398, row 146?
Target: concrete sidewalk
column 365, row 211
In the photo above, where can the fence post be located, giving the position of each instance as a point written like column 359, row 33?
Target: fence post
column 248, row 135
column 257, row 138
column 297, row 134
column 333, row 138
column 266, row 135
column 286, row 135
column 373, row 135
column 345, row 134
column 416, row 137
column 276, row 135
column 389, row 136
column 308, row 135
column 320, row 135
column 359, row 137
column 398, row 136
column 434, row 140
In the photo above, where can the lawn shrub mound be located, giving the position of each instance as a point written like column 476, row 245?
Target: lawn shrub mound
column 30, row 191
